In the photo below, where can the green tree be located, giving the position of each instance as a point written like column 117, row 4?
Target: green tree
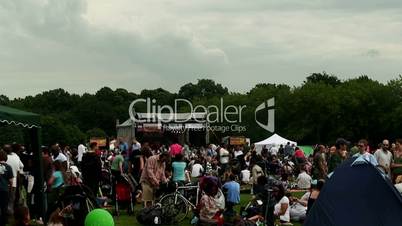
column 55, row 131
column 204, row 88
column 323, row 78
column 319, row 110
column 4, row 100
column 96, row 132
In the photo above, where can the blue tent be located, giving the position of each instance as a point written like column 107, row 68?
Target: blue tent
column 357, row 195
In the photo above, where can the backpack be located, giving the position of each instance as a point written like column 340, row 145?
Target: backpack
column 150, row 216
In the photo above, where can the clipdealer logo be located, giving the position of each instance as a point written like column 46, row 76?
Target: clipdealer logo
column 269, row 107
column 214, row 114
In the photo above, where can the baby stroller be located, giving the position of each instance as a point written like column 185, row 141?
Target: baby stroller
column 106, row 183
column 125, row 187
column 75, row 202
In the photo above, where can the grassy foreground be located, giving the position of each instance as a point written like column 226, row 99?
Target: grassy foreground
column 125, row 220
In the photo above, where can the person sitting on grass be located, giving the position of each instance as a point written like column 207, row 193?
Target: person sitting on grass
column 303, row 180
column 298, row 208
column 282, row 208
column 211, row 204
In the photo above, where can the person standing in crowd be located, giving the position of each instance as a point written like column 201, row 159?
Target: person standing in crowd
column 397, row 164
column 135, row 146
column 47, row 171
column 47, row 163
column 117, row 170
column 152, row 176
column 14, row 161
column 384, row 157
column 81, row 150
column 59, row 156
column 232, row 190
column 256, row 171
column 320, row 169
column 123, row 146
column 91, row 168
column 245, row 176
column 274, row 150
column 175, row 149
column 137, row 160
column 186, row 151
column 179, row 169
column 6, row 180
column 339, row 155
column 224, row 155
column 288, row 150
column 281, row 151
column 197, row 170
column 56, row 182
column 362, row 148
column 238, row 151
column 67, row 152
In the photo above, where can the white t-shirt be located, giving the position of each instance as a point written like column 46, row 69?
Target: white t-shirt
column 274, row 150
column 136, row 146
column 16, row 165
column 304, row 181
column 224, row 156
column 286, row 216
column 383, row 158
column 61, row 157
column 297, row 210
column 197, row 170
column 237, row 153
column 245, row 176
column 81, row 151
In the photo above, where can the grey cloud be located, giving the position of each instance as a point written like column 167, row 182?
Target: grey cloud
column 59, row 43
column 287, row 5
column 372, row 53
column 54, row 37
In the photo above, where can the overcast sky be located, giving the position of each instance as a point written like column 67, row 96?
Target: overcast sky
column 83, row 45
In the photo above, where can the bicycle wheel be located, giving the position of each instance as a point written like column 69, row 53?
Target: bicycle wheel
column 174, row 208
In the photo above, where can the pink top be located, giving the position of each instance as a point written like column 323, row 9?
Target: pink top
column 175, row 149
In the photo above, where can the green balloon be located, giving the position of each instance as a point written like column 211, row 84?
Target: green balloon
column 99, row 217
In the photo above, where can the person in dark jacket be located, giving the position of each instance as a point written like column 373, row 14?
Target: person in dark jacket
column 91, row 167
column 6, row 175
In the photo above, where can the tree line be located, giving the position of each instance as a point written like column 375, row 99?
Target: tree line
column 319, row 110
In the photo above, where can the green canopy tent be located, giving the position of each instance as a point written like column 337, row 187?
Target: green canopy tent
column 31, row 121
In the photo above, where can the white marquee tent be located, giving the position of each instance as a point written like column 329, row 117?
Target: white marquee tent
column 273, row 141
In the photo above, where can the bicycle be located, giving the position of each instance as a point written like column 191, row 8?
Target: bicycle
column 175, row 206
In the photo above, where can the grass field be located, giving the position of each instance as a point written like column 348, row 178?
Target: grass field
column 125, row 220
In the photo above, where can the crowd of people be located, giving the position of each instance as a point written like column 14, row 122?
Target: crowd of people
column 272, row 175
